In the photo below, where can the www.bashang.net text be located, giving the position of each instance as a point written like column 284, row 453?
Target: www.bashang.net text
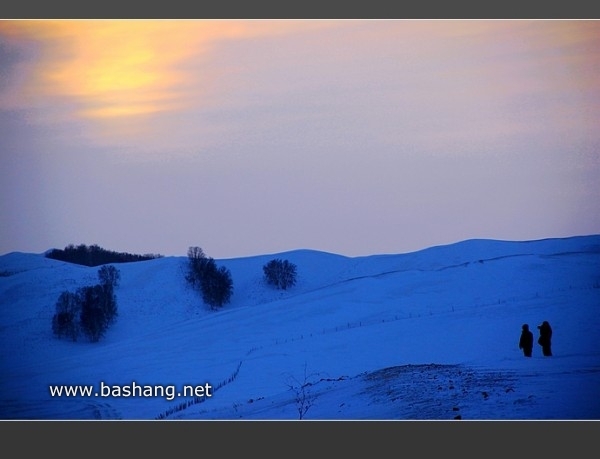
column 168, row 392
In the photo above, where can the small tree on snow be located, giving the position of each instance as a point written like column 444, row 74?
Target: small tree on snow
column 304, row 398
column 197, row 265
column 90, row 310
column 109, row 276
column 65, row 321
column 216, row 285
column 280, row 273
column 214, row 282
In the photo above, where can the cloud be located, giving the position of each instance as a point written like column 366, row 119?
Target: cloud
column 111, row 71
column 124, row 81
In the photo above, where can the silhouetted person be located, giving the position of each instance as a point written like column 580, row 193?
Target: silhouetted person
column 526, row 341
column 545, row 339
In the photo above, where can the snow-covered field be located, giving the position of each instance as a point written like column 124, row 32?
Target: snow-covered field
column 426, row 335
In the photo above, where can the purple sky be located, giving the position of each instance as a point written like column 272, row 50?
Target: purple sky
column 251, row 137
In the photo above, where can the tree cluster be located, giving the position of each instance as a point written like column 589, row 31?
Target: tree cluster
column 214, row 282
column 280, row 273
column 95, row 255
column 90, row 310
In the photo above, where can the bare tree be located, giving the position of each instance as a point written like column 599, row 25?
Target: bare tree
column 303, row 396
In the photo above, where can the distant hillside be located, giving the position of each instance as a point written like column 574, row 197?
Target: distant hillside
column 95, row 255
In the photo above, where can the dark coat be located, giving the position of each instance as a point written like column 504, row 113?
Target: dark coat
column 526, row 341
column 545, row 339
column 545, row 334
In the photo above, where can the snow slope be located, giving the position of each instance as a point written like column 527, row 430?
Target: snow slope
column 426, row 335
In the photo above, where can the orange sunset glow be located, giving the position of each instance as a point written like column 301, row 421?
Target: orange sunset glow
column 123, row 68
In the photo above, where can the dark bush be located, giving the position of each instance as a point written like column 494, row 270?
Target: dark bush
column 65, row 322
column 109, row 276
column 215, row 283
column 280, row 273
column 90, row 310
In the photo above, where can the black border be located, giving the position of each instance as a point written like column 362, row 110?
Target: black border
column 303, row 438
column 379, row 9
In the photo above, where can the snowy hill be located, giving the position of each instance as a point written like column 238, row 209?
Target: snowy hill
column 426, row 335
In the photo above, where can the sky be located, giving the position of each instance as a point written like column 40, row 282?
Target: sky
column 248, row 137
column 427, row 335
